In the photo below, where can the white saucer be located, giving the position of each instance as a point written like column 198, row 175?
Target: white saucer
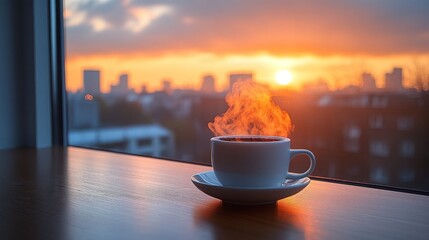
column 209, row 184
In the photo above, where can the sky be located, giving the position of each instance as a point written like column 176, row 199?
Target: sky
column 333, row 40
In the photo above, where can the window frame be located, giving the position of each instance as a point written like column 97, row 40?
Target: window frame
column 58, row 89
column 59, row 102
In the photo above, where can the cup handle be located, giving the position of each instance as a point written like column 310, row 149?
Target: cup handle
column 296, row 152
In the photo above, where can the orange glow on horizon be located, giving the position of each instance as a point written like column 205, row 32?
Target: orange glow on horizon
column 186, row 71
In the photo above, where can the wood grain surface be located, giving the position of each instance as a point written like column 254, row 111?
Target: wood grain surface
column 72, row 193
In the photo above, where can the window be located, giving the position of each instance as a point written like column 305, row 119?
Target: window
column 352, row 138
column 147, row 77
column 379, row 101
column 404, row 123
column 376, row 122
column 407, row 148
column 407, row 175
column 379, row 148
column 379, row 175
column 144, row 142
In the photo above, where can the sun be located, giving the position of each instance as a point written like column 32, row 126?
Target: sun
column 283, row 77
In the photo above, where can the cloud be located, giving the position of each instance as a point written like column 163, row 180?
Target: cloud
column 323, row 27
column 142, row 17
column 102, row 15
column 99, row 24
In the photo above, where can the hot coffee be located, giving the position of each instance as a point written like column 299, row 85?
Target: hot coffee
column 249, row 139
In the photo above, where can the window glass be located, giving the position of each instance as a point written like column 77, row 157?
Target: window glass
column 405, row 123
column 351, row 79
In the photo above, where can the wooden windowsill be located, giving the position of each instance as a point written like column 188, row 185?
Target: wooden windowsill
column 73, row 193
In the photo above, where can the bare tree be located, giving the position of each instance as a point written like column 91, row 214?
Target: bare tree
column 420, row 74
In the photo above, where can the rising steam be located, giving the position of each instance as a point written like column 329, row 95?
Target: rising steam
column 251, row 112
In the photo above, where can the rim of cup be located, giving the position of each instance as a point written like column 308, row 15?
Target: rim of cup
column 277, row 139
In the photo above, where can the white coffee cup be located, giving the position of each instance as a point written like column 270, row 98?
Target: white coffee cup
column 255, row 161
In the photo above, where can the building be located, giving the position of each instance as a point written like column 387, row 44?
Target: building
column 143, row 90
column 122, row 87
column 368, row 82
column 393, row 80
column 378, row 137
column 235, row 77
column 166, row 86
column 83, row 111
column 91, row 82
column 208, row 84
column 151, row 140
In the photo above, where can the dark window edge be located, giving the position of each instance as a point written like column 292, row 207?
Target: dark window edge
column 58, row 91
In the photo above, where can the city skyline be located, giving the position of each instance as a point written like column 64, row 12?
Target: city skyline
column 335, row 78
column 393, row 80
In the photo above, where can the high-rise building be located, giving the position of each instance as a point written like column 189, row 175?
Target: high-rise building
column 122, row 87
column 143, row 89
column 83, row 111
column 208, row 84
column 123, row 81
column 235, row 77
column 368, row 82
column 91, row 82
column 393, row 80
column 166, row 85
